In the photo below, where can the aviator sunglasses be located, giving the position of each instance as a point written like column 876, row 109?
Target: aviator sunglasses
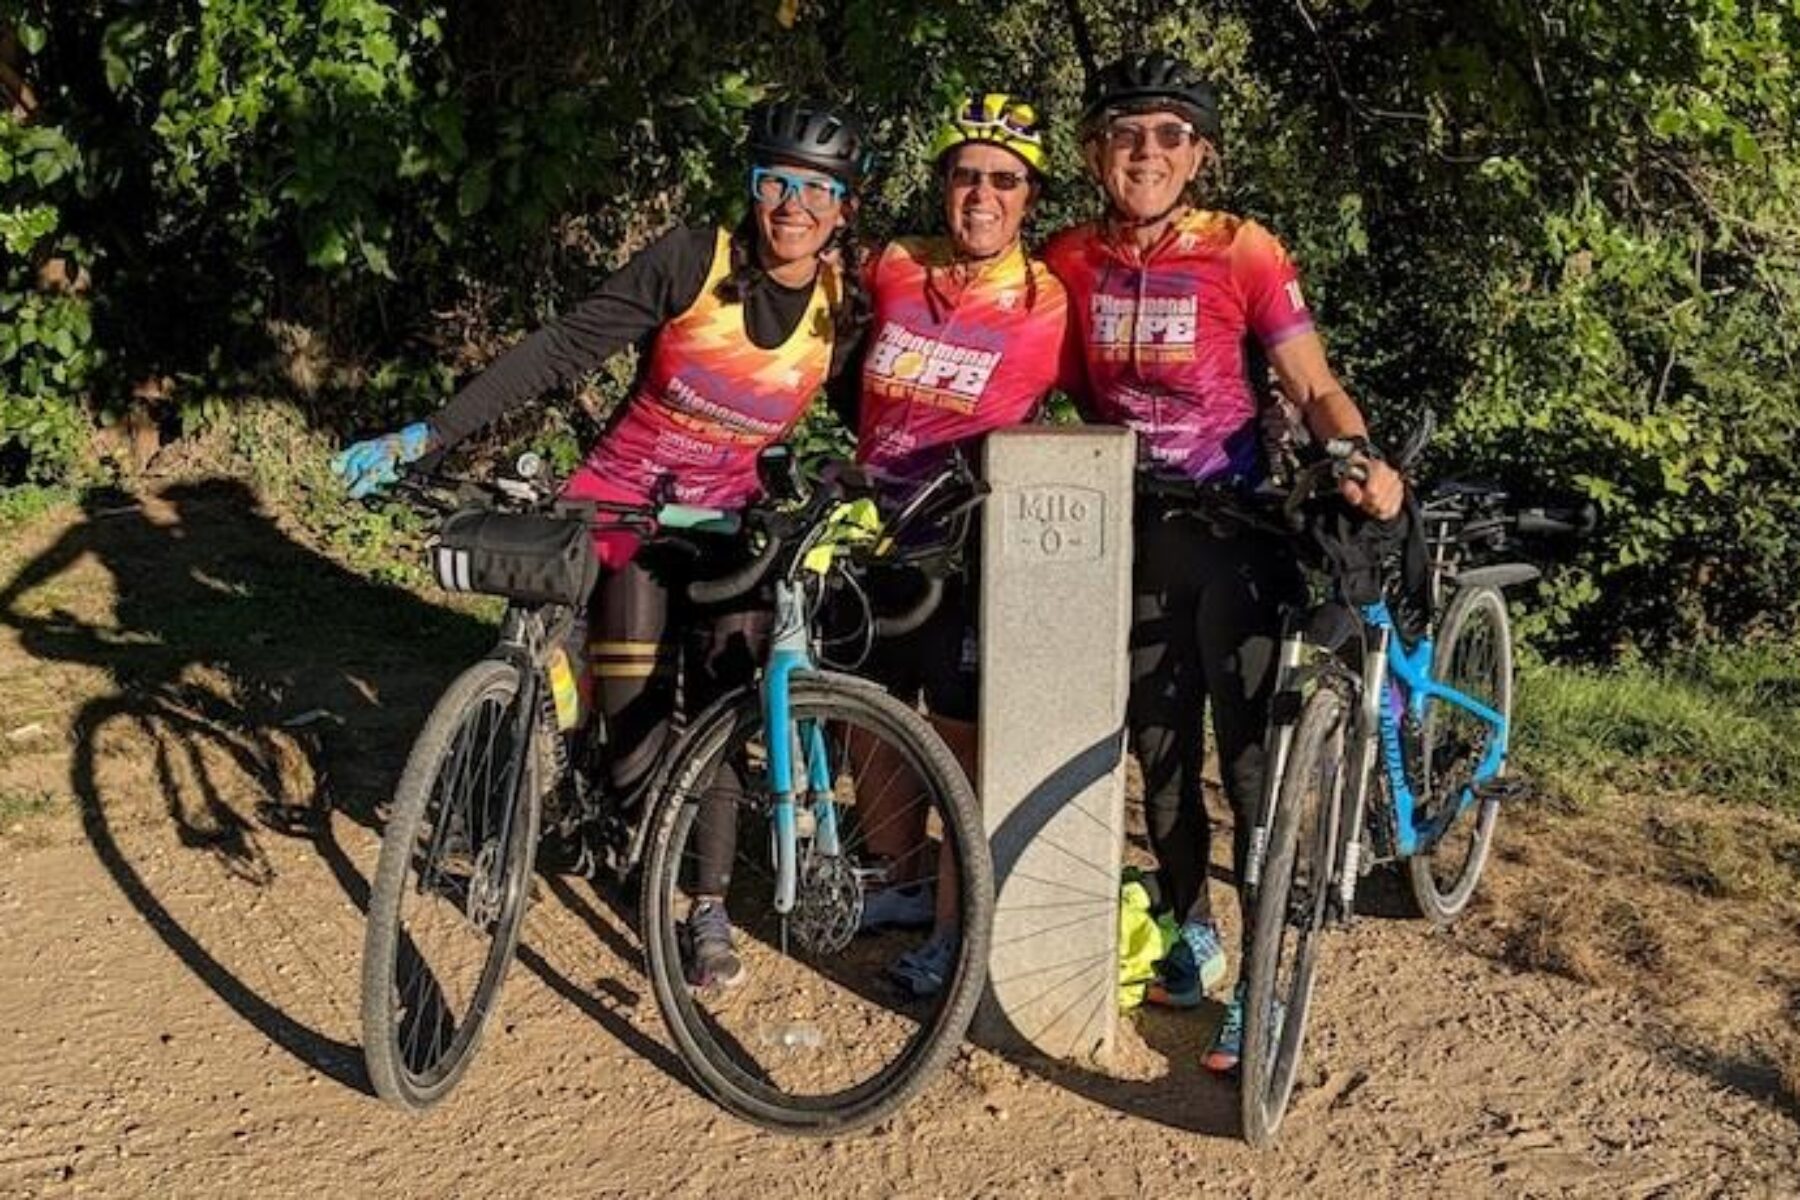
column 1169, row 135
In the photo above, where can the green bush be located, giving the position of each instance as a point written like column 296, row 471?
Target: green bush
column 1572, row 230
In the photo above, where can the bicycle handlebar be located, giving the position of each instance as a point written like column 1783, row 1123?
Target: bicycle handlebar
column 780, row 529
column 1270, row 509
column 1579, row 520
column 900, row 624
column 735, row 584
column 842, row 481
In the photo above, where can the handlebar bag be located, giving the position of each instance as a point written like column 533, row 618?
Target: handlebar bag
column 533, row 558
column 1375, row 560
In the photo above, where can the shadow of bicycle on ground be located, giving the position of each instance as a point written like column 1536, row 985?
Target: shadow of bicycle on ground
column 252, row 690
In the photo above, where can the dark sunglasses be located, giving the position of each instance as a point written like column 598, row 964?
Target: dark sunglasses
column 1170, row 135
column 1000, row 181
column 771, row 188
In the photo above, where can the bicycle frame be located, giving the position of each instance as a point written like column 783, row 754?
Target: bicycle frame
column 1412, row 669
column 1387, row 662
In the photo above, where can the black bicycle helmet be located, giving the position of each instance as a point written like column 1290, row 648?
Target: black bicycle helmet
column 808, row 133
column 1138, row 81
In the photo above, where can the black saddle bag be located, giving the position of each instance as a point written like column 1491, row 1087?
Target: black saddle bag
column 534, row 558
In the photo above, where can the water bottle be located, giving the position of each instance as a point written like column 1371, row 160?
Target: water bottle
column 795, row 1035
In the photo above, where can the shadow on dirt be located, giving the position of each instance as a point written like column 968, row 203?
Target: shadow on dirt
column 1749, row 1075
column 255, row 687
column 1187, row 1097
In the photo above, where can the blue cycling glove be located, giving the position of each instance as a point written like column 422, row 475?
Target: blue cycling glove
column 367, row 467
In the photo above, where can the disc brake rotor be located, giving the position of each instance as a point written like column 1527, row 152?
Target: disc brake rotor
column 829, row 906
column 483, row 907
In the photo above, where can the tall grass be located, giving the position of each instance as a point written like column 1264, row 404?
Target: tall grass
column 1722, row 723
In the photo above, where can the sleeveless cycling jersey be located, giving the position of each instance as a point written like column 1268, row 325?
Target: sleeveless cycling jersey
column 709, row 399
column 943, row 366
column 1163, row 335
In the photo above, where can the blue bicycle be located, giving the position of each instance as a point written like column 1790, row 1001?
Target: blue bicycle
column 817, row 1037
column 814, row 1039
column 1383, row 747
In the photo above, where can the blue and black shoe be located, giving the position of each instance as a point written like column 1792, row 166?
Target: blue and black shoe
column 1227, row 1047
column 1195, row 965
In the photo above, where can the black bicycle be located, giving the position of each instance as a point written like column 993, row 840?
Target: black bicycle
column 814, row 1042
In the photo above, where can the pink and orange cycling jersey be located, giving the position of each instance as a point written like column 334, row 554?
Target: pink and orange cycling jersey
column 1163, row 334
column 709, row 400
column 942, row 365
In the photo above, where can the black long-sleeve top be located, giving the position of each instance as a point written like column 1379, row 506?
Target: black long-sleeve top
column 658, row 283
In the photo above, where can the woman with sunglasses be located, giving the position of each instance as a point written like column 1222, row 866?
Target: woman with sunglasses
column 969, row 334
column 737, row 331
column 1166, row 294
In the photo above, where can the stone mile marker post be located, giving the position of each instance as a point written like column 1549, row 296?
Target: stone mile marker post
column 1055, row 617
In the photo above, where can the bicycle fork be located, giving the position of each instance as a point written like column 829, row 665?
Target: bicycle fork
column 1284, row 715
column 789, row 653
column 1360, row 756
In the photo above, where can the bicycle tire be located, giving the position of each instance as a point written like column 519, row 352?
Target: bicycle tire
column 1473, row 655
column 718, row 1046
column 456, row 746
column 1275, row 1023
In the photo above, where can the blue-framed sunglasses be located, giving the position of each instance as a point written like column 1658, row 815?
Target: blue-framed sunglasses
column 771, row 187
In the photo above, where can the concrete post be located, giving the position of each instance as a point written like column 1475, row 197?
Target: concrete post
column 1055, row 618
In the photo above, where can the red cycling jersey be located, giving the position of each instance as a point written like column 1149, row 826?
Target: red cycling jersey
column 945, row 364
column 1163, row 334
column 710, row 399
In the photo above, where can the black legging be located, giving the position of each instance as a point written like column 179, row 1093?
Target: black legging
column 1206, row 623
column 640, row 618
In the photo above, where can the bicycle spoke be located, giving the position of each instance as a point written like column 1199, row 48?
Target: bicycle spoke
column 815, row 1020
column 442, row 926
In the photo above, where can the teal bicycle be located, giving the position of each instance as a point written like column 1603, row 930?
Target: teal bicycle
column 819, row 1039
column 815, row 1041
column 1384, row 747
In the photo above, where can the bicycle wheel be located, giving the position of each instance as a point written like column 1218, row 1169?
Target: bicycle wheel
column 1290, row 913
column 1474, row 656
column 450, row 889
column 819, row 1034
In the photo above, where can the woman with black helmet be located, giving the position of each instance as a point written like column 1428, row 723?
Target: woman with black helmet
column 737, row 331
column 1165, row 296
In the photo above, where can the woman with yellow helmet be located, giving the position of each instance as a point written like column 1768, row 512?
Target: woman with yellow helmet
column 969, row 334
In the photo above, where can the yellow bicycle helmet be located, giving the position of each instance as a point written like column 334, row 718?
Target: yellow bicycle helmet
column 994, row 117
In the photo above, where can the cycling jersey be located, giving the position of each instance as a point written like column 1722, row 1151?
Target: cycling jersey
column 629, row 308
column 710, row 399
column 943, row 363
column 1163, row 329
column 689, row 419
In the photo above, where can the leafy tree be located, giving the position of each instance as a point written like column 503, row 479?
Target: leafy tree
column 1570, row 228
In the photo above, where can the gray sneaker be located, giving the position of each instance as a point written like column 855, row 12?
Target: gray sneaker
column 712, row 962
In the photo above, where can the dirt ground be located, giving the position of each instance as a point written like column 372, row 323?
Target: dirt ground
column 198, row 714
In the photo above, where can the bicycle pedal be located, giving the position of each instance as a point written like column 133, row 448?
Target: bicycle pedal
column 1503, row 791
